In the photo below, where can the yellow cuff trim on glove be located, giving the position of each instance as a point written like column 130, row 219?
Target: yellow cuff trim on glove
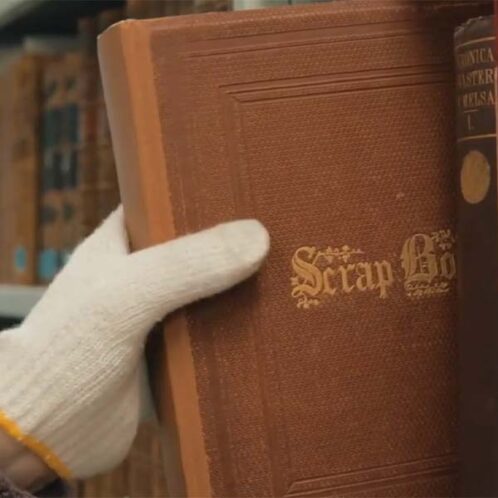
column 37, row 447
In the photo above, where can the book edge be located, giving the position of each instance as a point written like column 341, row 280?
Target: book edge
column 140, row 160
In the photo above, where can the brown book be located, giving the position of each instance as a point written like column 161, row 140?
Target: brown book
column 145, row 9
column 87, row 215
column 141, row 475
column 6, row 179
column 25, row 159
column 51, row 207
column 71, row 207
column 156, row 8
column 107, row 183
column 477, row 262
column 185, row 7
column 333, row 371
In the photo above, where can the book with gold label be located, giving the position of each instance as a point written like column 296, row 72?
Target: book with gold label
column 477, row 254
column 333, row 372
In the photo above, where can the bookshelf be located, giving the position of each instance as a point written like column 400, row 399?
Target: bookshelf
column 18, row 19
column 22, row 17
column 16, row 301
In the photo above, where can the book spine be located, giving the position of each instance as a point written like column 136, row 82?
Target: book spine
column 25, row 167
column 87, row 128
column 49, row 260
column 185, row 7
column 3, row 241
column 69, row 145
column 155, row 9
column 477, row 261
column 170, row 8
column 145, row 9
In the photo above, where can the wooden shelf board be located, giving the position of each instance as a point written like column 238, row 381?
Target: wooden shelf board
column 16, row 301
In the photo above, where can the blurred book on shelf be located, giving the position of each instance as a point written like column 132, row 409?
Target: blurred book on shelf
column 58, row 180
column 57, row 171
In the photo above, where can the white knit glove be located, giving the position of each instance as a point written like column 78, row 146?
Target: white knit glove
column 69, row 375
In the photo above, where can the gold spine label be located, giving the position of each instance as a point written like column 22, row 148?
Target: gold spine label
column 475, row 89
column 475, row 177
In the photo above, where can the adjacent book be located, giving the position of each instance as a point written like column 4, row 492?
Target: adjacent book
column 477, row 250
column 24, row 150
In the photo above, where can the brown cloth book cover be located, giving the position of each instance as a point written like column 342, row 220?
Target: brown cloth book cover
column 477, row 255
column 7, row 178
column 107, row 182
column 333, row 371
column 87, row 215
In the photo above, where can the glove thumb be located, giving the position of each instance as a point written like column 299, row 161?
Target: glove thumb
column 171, row 275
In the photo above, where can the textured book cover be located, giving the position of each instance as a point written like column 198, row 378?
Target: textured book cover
column 155, row 8
column 170, row 7
column 87, row 148
column 478, row 246
column 137, row 9
column 3, row 210
column 333, row 371
column 212, row 5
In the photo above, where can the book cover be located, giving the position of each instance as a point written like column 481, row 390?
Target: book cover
column 6, row 180
column 477, row 249
column 137, row 9
column 333, row 371
column 107, row 183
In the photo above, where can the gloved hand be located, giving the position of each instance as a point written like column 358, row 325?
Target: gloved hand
column 69, row 375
